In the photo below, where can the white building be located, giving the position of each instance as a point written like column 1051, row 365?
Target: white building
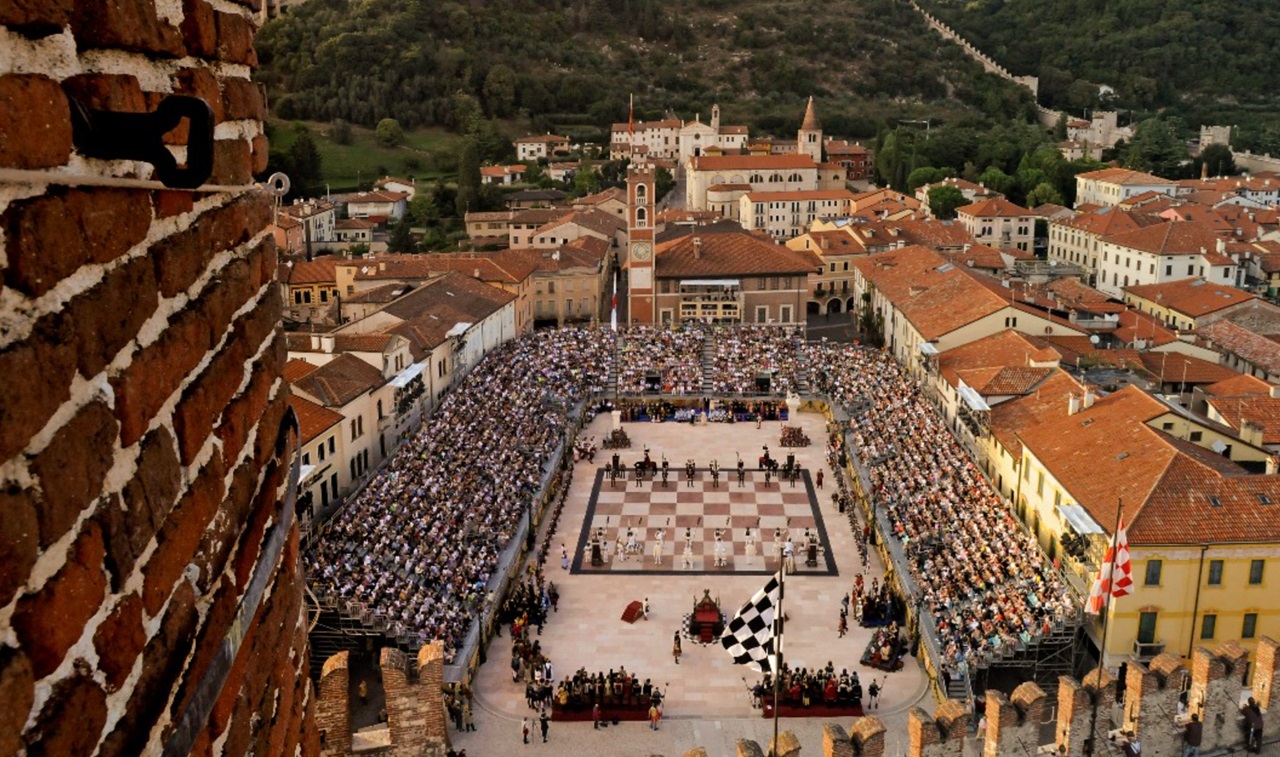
column 378, row 206
column 1112, row 186
column 540, row 146
column 998, row 223
column 786, row 215
column 1164, row 252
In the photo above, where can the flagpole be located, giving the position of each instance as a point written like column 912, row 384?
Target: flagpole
column 1106, row 621
column 777, row 650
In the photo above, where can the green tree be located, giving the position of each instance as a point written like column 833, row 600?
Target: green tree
column 500, row 90
column 468, row 197
column 586, row 181
column 422, row 209
column 1042, row 193
column 664, row 182
column 944, row 200
column 997, row 181
column 304, row 162
column 1060, row 128
column 340, row 132
column 401, row 239
column 1219, row 160
column 388, row 132
column 1156, row 148
column 924, row 175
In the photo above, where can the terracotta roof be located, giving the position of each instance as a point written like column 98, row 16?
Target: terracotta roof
column 1175, row 238
column 934, row 294
column 729, row 188
column 603, row 196
column 496, row 215
column 317, row 271
column 844, row 147
column 536, row 216
column 518, row 168
column 1005, row 349
column 378, row 295
column 995, row 207
column 339, row 381
column 541, row 139
column 1010, row 380
column 283, row 221
column 727, row 254
column 377, row 196
column 749, row 162
column 1191, row 297
column 1175, row 367
column 830, row 243
column 810, row 122
column 593, row 219
column 1135, row 325
column 301, row 209
column 296, row 369
column 313, row 419
column 979, row 256
column 733, row 130
column 1008, row 420
column 1125, row 176
column 670, row 123
column 354, row 223
column 1246, row 399
column 1254, row 348
column 1104, row 220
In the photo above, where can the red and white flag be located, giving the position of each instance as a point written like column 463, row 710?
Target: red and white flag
column 1114, row 575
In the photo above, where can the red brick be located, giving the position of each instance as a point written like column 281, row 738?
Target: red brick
column 171, row 203
column 178, row 539
column 48, row 622
column 161, row 666
column 260, row 152
column 35, row 18
column 130, row 521
column 221, row 611
column 232, row 162
column 119, row 541
column 35, row 121
column 17, row 694
column 119, row 92
column 71, row 469
column 235, row 39
column 25, row 405
column 119, row 641
column 199, row 28
column 124, row 25
column 19, row 542
column 201, row 83
column 244, row 411
column 181, row 258
column 243, row 99
column 107, row 317
column 71, row 721
column 51, row 236
column 204, row 399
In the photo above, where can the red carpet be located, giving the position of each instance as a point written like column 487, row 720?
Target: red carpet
column 610, row 713
column 633, row 612
column 817, row 710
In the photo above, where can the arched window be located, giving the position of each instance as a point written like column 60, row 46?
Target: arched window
column 756, row 178
column 794, row 177
column 641, row 192
column 642, row 218
column 775, row 178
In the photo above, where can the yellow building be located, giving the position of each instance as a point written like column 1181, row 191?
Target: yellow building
column 1187, row 303
column 1204, row 532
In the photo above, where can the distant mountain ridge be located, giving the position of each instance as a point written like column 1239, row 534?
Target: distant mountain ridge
column 576, row 61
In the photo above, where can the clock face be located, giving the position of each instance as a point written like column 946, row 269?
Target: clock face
column 641, row 250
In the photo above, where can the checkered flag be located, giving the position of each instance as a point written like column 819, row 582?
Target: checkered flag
column 749, row 637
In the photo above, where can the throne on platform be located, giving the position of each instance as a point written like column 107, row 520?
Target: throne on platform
column 707, row 622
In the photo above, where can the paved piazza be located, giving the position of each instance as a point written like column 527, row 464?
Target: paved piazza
column 708, row 702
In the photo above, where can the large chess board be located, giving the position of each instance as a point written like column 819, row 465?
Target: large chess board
column 692, row 515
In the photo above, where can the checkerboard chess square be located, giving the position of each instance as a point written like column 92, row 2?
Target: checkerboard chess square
column 752, row 520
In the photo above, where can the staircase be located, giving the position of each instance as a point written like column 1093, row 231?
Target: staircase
column 708, row 361
column 611, row 379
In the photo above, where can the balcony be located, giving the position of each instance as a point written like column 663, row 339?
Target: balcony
column 1146, row 651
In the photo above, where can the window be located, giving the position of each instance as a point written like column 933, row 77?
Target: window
column 331, row 445
column 1196, row 436
column 360, row 423
column 1250, row 627
column 1153, row 572
column 1057, row 498
column 1208, row 624
column 324, row 295
column 551, row 287
column 786, row 314
column 354, row 433
column 1147, row 628
column 1255, row 572
column 1168, row 426
column 379, row 409
column 306, row 458
column 1215, row 572
column 320, row 452
column 1040, row 484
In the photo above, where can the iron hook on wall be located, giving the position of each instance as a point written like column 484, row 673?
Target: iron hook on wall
column 112, row 135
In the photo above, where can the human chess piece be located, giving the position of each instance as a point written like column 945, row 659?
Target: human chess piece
column 719, row 550
column 689, row 470
column 715, row 474
column 742, row 472
column 665, row 469
column 687, row 558
column 751, row 543
column 657, row 548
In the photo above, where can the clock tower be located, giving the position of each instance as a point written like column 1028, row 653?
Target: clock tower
column 641, row 186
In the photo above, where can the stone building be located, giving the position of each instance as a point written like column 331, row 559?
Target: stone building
column 150, row 587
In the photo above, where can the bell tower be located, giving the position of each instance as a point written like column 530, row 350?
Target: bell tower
column 641, row 186
column 809, row 138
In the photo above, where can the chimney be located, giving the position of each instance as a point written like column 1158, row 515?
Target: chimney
column 1273, row 465
column 1073, row 405
column 1221, row 245
column 382, row 265
column 697, row 248
column 1089, row 398
column 1204, row 171
column 475, row 273
column 1275, row 392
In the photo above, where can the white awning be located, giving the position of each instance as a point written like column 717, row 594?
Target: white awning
column 407, row 375
column 459, row 329
column 973, row 399
column 927, row 348
column 1080, row 520
column 710, row 282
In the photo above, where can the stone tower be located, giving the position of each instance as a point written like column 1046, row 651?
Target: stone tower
column 641, row 186
column 141, row 402
column 809, row 138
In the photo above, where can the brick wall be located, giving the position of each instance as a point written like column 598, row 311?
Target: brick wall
column 1216, row 680
column 415, row 708
column 1076, row 700
column 867, row 735
column 938, row 735
column 140, row 395
column 835, row 741
column 333, row 706
column 1266, row 676
column 1013, row 723
column 1151, row 697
